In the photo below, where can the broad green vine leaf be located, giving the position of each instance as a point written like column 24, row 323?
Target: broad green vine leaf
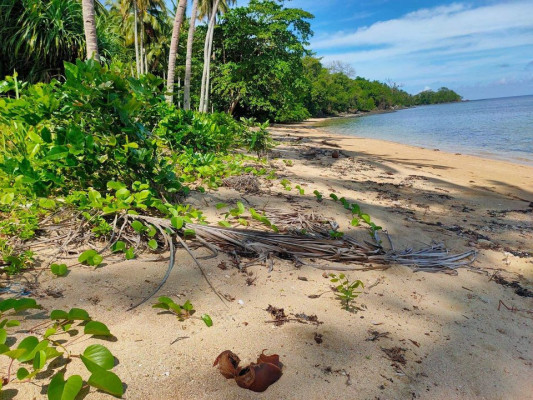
column 207, row 319
column 78, row 314
column 3, row 348
column 39, row 360
column 12, row 322
column 59, row 389
column 177, row 222
column 218, row 206
column 27, row 344
column 106, row 381
column 130, row 253
column 334, row 196
column 119, row 245
column 25, row 304
column 366, row 218
column 90, row 257
column 58, row 314
column 14, row 354
column 31, row 348
column 137, row 226
column 188, row 306
column 22, row 373
column 3, row 335
column 96, row 328
column 355, row 222
column 59, row 269
column 52, row 352
column 96, row 357
column 49, row 332
column 152, row 243
column 225, row 224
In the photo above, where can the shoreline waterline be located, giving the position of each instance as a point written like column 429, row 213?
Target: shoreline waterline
column 487, row 129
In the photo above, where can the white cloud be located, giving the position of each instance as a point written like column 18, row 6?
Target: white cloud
column 427, row 27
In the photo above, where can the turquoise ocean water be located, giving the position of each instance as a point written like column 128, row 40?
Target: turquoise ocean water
column 494, row 128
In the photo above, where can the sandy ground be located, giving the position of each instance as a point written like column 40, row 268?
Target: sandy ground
column 455, row 342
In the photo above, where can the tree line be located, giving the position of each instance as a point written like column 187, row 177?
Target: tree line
column 250, row 61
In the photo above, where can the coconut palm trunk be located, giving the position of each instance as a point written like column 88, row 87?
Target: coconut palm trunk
column 141, row 47
column 89, row 26
column 207, row 57
column 188, row 59
column 136, row 39
column 178, row 20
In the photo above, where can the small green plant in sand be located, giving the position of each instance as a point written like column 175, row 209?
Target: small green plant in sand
column 318, row 195
column 183, row 312
column 345, row 290
column 286, row 184
column 50, row 348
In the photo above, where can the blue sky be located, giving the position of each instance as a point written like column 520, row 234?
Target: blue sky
column 480, row 48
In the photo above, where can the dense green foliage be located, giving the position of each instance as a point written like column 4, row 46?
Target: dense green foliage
column 259, row 71
column 260, row 67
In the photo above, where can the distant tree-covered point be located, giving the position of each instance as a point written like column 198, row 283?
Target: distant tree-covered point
column 443, row 95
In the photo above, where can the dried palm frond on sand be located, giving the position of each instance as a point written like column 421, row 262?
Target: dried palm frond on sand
column 305, row 242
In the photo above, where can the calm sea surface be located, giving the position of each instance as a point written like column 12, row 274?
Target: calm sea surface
column 495, row 128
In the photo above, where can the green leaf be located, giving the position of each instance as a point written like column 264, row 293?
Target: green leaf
column 90, row 257
column 39, row 360
column 220, row 205
column 334, row 196
column 225, row 224
column 207, row 319
column 52, row 352
column 151, row 231
column 165, row 300
column 177, row 222
column 14, row 354
column 78, row 314
column 130, row 253
column 31, row 345
column 366, row 218
column 22, row 373
column 25, row 304
column 59, row 269
column 3, row 335
column 27, row 344
column 48, row 204
column 3, row 349
column 12, row 322
column 115, row 185
column 49, row 332
column 96, row 328
column 58, row 314
column 98, row 355
column 152, row 244
column 137, row 226
column 189, row 232
column 119, row 245
column 355, row 222
column 188, row 306
column 58, row 389
column 106, row 381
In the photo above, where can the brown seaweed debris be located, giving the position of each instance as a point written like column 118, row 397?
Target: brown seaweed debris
column 395, row 354
column 256, row 377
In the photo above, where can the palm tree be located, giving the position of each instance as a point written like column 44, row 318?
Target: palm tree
column 89, row 26
column 178, row 20
column 188, row 58
column 211, row 8
column 144, row 12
